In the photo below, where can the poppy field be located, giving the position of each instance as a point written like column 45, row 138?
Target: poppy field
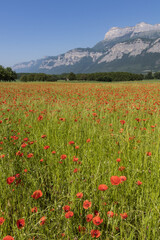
column 79, row 161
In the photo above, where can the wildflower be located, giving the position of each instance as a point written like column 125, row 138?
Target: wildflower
column 43, row 136
column 69, row 214
column 1, row 220
column 20, row 223
column 102, row 187
column 121, row 168
column 25, row 170
column 75, row 159
column 8, row 238
column 71, row 142
column 63, row 156
column 138, row 183
column 88, row 140
column 115, row 180
column 123, row 178
column 10, row 180
column 95, row 233
column 86, row 204
column 79, row 195
column 81, row 229
column 37, row 194
column 40, row 117
column 42, row 220
column 53, row 152
column 97, row 220
column 30, row 155
column 34, row 210
column 89, row 217
column 76, row 147
column 46, row 147
column 66, row 208
column 122, row 122
column 149, row 153
column 23, row 145
column 123, row 215
column 118, row 160
column 110, row 214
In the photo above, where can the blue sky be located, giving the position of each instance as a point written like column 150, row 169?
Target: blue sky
column 32, row 29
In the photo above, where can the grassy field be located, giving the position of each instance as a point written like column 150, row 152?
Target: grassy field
column 80, row 161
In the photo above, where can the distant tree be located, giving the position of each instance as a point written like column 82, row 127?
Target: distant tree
column 149, row 75
column 7, row 74
column 157, row 75
column 72, row 76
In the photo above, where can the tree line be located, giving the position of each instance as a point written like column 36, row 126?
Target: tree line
column 7, row 74
column 101, row 77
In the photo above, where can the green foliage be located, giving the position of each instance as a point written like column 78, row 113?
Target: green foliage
column 72, row 76
column 149, row 75
column 37, row 77
column 7, row 74
column 157, row 75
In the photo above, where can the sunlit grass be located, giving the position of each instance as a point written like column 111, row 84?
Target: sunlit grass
column 107, row 122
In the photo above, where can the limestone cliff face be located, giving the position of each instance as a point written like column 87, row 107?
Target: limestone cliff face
column 134, row 49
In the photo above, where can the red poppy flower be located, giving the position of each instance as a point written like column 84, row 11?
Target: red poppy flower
column 88, row 140
column 95, row 233
column 97, row 220
column 43, row 136
column 121, row 168
column 76, row 147
column 110, row 214
column 115, row 180
column 89, row 217
column 71, row 142
column 86, row 204
column 123, row 178
column 40, row 117
column 69, row 214
column 53, row 152
column 63, row 156
column 81, row 229
column 42, row 220
column 122, row 122
column 1, row 220
column 25, row 170
column 79, row 195
column 138, row 183
column 23, row 145
column 8, row 238
column 123, row 215
column 118, row 160
column 37, row 194
column 102, row 187
column 149, row 153
column 30, row 155
column 34, row 210
column 20, row 223
column 66, row 208
column 46, row 147
column 75, row 159
column 10, row 180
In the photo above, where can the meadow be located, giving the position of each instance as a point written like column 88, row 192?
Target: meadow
column 80, row 161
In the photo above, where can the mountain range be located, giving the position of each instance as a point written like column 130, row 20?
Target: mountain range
column 131, row 49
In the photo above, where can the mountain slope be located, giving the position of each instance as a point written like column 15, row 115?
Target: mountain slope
column 132, row 49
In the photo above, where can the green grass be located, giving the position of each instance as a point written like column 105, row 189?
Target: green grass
column 77, row 112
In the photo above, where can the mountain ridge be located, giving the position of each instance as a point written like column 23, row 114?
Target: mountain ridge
column 123, row 49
